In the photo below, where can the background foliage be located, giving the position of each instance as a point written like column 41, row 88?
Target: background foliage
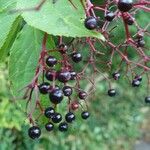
column 114, row 123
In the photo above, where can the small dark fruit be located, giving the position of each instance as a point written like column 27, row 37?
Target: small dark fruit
column 140, row 43
column 51, row 75
column 116, row 75
column 44, row 88
column 82, row 95
column 147, row 99
column 90, row 23
column 136, row 83
column 85, row 114
column 70, row 117
column 56, row 96
column 67, row 90
column 64, row 76
column 73, row 75
column 63, row 127
column 137, row 77
column 129, row 20
column 49, row 126
column 49, row 112
column 125, row 5
column 111, row 92
column 57, row 117
column 109, row 16
column 34, row 132
column 62, row 48
column 51, row 61
column 76, row 57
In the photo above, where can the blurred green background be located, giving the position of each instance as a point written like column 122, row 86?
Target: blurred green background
column 115, row 123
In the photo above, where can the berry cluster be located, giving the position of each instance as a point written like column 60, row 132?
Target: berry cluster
column 59, row 78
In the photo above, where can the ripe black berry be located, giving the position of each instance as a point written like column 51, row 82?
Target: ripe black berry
column 90, row 23
column 44, row 88
column 49, row 126
column 62, row 48
column 51, row 61
column 85, row 114
column 70, row 117
column 137, row 77
column 51, row 75
column 129, row 20
column 34, row 132
column 56, row 118
column 63, row 127
column 136, row 83
column 56, row 96
column 111, row 92
column 140, row 43
column 82, row 95
column 76, row 57
column 49, row 112
column 116, row 75
column 64, row 76
column 73, row 75
column 125, row 5
column 67, row 90
column 147, row 99
column 109, row 16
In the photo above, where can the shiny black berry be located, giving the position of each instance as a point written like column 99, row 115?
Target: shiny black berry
column 136, row 83
column 90, row 23
column 82, row 95
column 73, row 75
column 109, row 16
column 34, row 132
column 49, row 126
column 129, row 20
column 56, row 96
column 67, row 90
column 76, row 57
column 63, row 127
column 49, row 112
column 51, row 61
column 147, row 99
column 111, row 92
column 51, row 75
column 62, row 48
column 125, row 5
column 140, row 43
column 116, row 75
column 85, row 114
column 64, row 76
column 137, row 77
column 70, row 117
column 57, row 117
column 44, row 88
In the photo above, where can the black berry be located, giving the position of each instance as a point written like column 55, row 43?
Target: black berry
column 63, row 127
column 116, row 75
column 140, row 43
column 51, row 75
column 136, row 83
column 56, row 118
column 56, row 96
column 111, row 92
column 70, row 117
column 73, row 75
column 76, row 57
column 90, row 23
column 137, row 77
column 49, row 126
column 109, row 16
column 85, row 114
column 67, row 90
column 49, row 112
column 129, row 20
column 62, row 48
column 51, row 61
column 34, row 132
column 125, row 5
column 82, row 95
column 44, row 88
column 64, row 76
column 147, row 99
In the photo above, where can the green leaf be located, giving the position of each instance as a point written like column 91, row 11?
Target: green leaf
column 24, row 57
column 60, row 18
column 5, row 4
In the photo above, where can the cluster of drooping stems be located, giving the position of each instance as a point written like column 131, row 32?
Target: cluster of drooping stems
column 61, row 80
